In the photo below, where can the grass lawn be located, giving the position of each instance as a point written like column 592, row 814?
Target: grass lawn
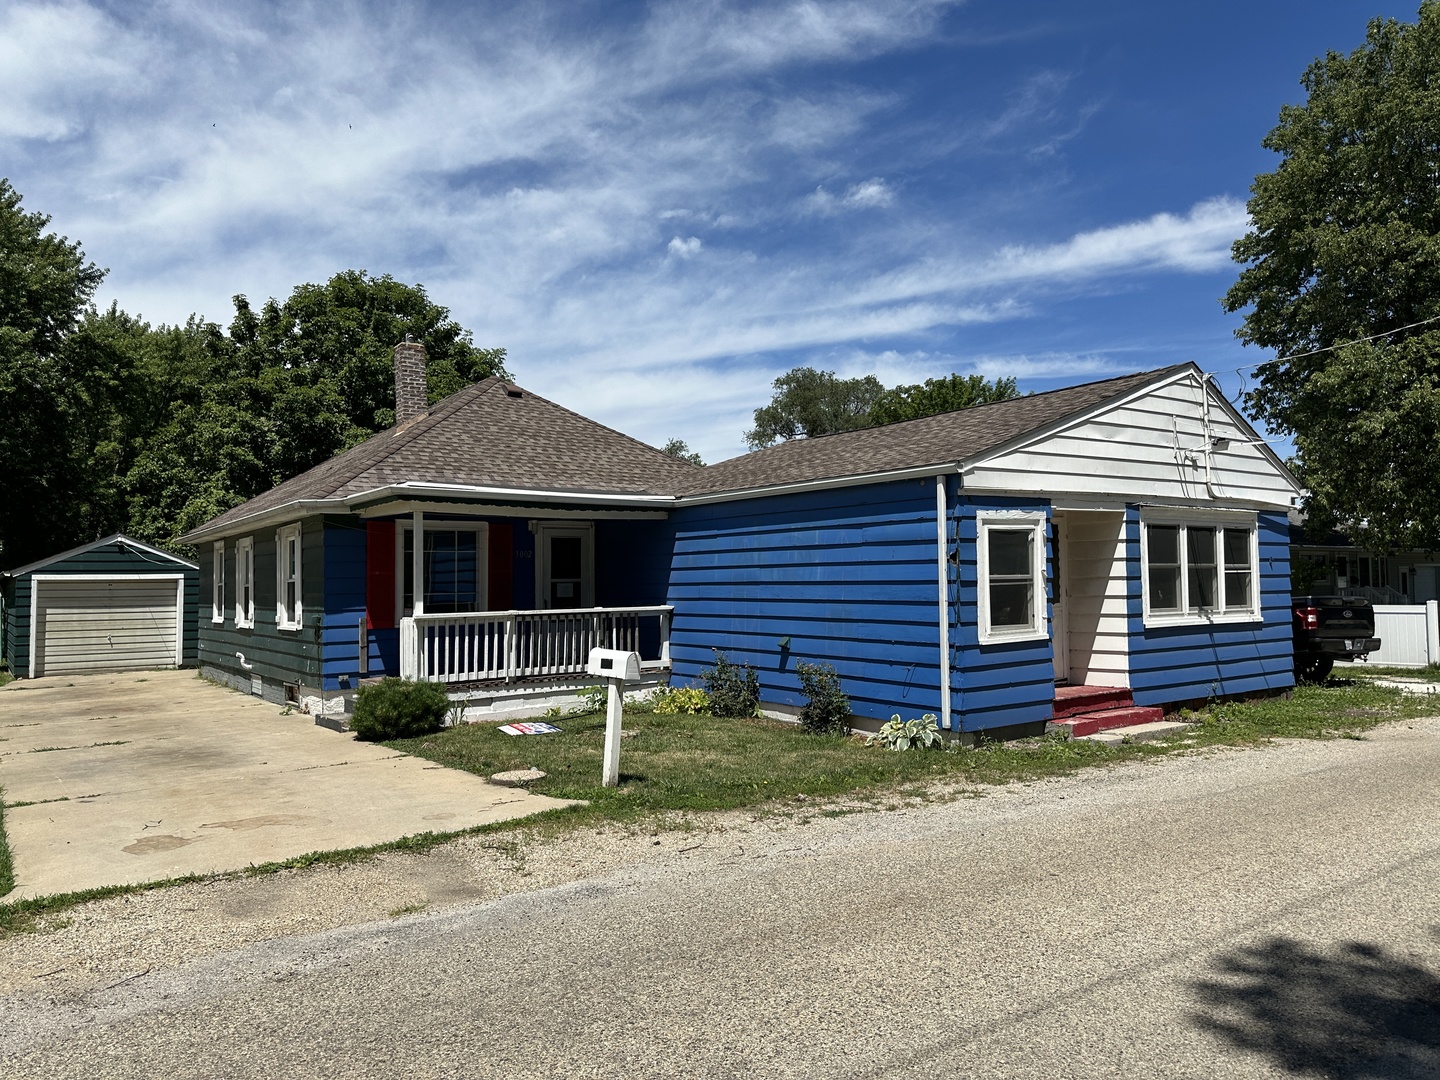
column 697, row 763
column 7, row 867
column 674, row 766
column 1428, row 674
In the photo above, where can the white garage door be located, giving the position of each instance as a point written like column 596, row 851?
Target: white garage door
column 105, row 624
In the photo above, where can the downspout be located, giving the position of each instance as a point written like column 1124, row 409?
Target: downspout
column 942, row 577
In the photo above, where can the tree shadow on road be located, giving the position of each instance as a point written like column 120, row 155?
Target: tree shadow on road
column 1352, row 1012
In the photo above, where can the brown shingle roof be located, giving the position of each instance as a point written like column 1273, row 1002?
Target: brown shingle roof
column 491, row 434
column 495, row 435
column 938, row 440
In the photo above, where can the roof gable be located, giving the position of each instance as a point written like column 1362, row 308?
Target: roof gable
column 119, row 539
column 1174, row 440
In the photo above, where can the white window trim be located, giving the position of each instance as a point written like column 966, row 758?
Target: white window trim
column 281, row 537
column 217, row 583
column 481, row 529
column 244, row 569
column 543, row 531
column 985, row 520
column 1202, row 518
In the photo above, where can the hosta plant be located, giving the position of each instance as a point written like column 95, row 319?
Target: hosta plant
column 897, row 734
column 681, row 700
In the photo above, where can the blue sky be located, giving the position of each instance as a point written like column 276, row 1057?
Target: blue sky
column 657, row 208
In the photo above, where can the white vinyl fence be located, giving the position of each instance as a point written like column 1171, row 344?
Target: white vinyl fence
column 1409, row 634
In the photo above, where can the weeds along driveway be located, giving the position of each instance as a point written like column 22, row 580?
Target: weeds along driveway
column 135, row 777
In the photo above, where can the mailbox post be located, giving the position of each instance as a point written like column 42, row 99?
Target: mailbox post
column 616, row 667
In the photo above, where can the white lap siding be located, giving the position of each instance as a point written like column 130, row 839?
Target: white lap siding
column 1097, row 598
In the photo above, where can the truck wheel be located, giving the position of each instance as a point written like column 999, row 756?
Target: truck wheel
column 1314, row 669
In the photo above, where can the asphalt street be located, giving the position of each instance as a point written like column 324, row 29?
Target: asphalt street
column 1265, row 913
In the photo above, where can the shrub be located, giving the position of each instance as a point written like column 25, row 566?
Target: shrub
column 828, row 709
column 897, row 734
column 733, row 691
column 678, row 700
column 399, row 709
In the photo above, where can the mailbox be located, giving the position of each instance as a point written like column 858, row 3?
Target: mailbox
column 614, row 664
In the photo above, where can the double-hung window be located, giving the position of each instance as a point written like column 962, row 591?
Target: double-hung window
column 288, row 608
column 245, row 583
column 455, row 567
column 1011, row 557
column 1200, row 568
column 217, row 583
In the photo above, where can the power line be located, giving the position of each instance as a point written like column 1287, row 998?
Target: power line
column 1332, row 348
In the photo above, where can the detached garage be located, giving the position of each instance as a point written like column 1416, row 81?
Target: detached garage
column 113, row 605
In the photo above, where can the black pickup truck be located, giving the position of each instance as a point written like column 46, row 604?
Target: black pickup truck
column 1330, row 628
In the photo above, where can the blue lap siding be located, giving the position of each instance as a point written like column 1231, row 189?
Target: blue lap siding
column 848, row 576
column 997, row 684
column 1175, row 664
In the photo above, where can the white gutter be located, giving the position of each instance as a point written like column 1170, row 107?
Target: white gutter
column 536, row 494
column 347, row 503
column 943, row 580
column 918, row 472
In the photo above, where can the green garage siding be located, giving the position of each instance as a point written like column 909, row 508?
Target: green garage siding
column 116, row 556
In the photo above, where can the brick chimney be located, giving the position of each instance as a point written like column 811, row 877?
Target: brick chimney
column 411, row 396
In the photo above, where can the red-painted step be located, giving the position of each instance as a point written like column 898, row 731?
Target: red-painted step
column 1106, row 720
column 1074, row 700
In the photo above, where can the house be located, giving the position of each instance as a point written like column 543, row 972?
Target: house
column 1335, row 565
column 1128, row 534
column 111, row 605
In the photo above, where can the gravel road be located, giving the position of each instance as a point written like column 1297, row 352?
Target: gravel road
column 1265, row 913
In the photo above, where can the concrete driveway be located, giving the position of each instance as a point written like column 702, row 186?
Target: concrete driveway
column 143, row 776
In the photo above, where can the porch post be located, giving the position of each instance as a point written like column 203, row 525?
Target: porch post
column 943, row 581
column 417, row 561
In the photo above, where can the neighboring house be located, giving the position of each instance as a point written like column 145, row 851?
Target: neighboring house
column 1335, row 565
column 1128, row 533
column 112, row 605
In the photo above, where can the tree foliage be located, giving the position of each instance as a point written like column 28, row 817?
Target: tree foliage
column 46, row 286
column 1344, row 245
column 114, row 425
column 808, row 403
column 935, row 396
column 679, row 448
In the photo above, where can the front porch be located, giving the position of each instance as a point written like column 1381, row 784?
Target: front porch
column 484, row 648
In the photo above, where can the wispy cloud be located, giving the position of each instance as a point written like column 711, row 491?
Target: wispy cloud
column 652, row 202
column 866, row 195
column 685, row 248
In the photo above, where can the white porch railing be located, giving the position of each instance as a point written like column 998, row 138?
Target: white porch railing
column 1376, row 594
column 489, row 646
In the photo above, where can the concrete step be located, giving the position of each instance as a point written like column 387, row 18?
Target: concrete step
column 1073, row 700
column 1157, row 729
column 1105, row 719
column 334, row 721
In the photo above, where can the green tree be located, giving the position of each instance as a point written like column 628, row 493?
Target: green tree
column 46, row 286
column 679, row 448
column 289, row 387
column 1344, row 245
column 809, row 403
column 939, row 396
